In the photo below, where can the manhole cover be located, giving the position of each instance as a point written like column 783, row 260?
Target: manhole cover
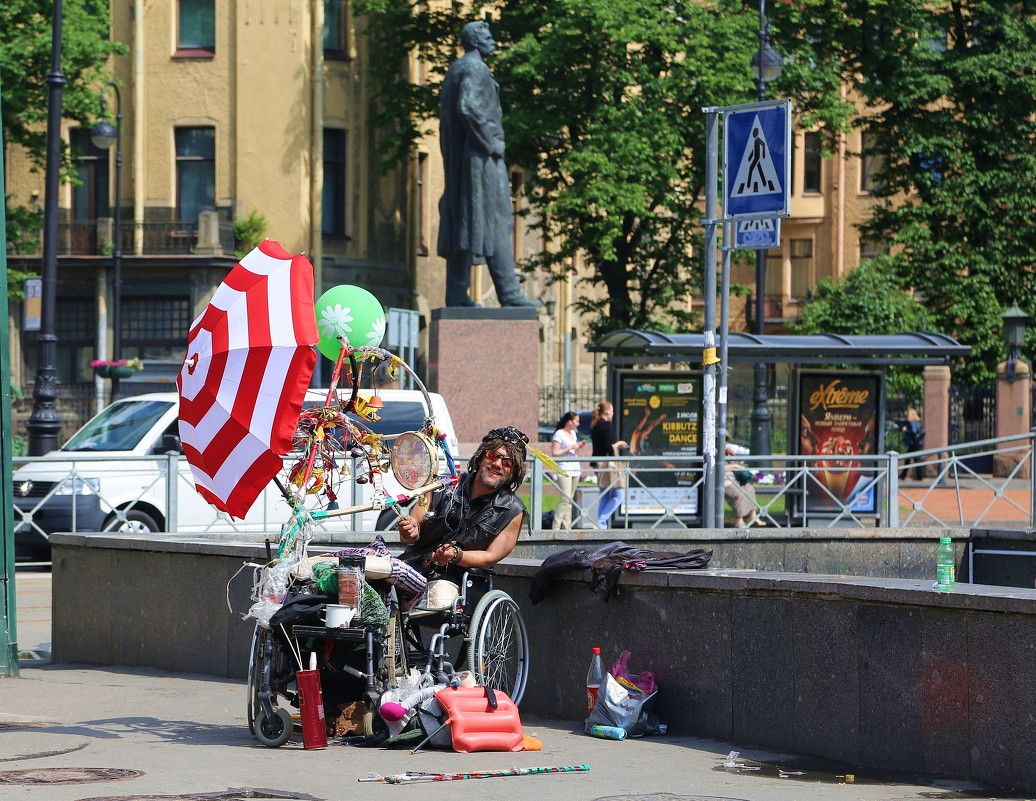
column 242, row 794
column 15, row 725
column 665, row 797
column 66, row 775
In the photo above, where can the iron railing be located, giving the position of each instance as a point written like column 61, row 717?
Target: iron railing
column 659, row 493
column 165, row 238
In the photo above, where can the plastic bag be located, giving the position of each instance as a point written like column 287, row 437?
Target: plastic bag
column 617, row 705
column 644, row 682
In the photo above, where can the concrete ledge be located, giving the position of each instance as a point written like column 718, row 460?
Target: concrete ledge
column 881, row 672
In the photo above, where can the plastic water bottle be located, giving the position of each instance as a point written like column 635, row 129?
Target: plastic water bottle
column 608, row 732
column 945, row 565
column 594, row 680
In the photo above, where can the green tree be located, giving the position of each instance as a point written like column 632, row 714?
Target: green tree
column 868, row 300
column 603, row 111
column 950, row 89
column 25, row 60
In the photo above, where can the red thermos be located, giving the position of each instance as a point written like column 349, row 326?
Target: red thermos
column 311, row 705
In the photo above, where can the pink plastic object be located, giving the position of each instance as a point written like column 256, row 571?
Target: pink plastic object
column 390, row 710
column 644, row 681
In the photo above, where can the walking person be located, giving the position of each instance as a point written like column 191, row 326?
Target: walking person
column 739, row 492
column 913, row 441
column 565, row 442
column 607, row 444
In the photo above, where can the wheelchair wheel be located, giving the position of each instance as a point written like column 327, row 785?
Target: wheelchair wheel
column 273, row 732
column 499, row 652
column 255, row 657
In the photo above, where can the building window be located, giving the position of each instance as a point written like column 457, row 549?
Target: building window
column 155, row 326
column 336, row 28
column 801, row 267
column 90, row 197
column 871, row 249
column 872, row 163
column 422, row 204
column 196, row 30
column 811, row 164
column 333, row 202
column 195, row 172
column 76, row 329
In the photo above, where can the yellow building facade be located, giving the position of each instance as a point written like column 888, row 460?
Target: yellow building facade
column 261, row 106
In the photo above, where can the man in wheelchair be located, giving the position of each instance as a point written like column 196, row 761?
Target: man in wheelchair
column 476, row 523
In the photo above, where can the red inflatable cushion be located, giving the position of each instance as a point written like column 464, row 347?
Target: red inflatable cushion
column 475, row 725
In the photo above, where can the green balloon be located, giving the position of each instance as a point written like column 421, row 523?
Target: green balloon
column 351, row 312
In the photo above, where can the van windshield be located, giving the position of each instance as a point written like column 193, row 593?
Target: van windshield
column 120, row 427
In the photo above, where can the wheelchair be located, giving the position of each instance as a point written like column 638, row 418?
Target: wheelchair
column 482, row 629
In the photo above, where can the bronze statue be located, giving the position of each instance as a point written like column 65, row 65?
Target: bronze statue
column 475, row 223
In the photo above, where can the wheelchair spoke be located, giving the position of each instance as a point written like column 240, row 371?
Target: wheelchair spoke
column 499, row 656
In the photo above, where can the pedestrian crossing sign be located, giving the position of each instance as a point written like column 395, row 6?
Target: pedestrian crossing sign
column 757, row 160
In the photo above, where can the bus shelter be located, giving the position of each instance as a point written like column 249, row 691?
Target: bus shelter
column 835, row 399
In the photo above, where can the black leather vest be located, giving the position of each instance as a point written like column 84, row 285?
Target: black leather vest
column 473, row 525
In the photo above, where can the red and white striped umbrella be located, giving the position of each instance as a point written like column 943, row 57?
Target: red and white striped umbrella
column 248, row 364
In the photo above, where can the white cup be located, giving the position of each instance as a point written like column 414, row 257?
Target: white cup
column 338, row 616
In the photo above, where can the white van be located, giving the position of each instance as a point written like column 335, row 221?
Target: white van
column 110, row 464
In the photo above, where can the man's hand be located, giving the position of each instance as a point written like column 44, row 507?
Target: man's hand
column 409, row 529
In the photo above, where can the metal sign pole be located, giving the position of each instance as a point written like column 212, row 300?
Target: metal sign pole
column 724, row 369
column 8, row 603
column 709, row 358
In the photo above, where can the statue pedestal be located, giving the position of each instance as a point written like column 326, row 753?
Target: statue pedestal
column 484, row 362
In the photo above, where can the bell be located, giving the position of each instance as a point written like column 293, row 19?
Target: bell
column 376, row 402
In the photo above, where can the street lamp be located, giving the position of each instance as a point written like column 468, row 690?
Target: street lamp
column 1014, row 332
column 44, row 423
column 104, row 135
column 766, row 64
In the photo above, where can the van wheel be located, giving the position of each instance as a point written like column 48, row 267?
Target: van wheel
column 137, row 522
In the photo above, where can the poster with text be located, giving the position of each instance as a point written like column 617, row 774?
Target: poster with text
column 658, row 415
column 838, row 414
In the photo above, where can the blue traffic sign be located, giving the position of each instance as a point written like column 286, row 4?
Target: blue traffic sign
column 757, row 160
column 757, row 234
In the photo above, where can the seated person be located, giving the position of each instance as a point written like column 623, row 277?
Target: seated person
column 477, row 522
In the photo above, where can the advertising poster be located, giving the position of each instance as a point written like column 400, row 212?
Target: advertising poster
column 838, row 420
column 658, row 415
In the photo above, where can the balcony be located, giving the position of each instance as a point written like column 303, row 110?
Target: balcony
column 206, row 237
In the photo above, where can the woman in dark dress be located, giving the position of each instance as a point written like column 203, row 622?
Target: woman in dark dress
column 606, row 443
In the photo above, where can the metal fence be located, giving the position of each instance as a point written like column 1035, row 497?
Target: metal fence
column 786, row 492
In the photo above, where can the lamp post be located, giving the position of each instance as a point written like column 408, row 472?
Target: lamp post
column 44, row 423
column 766, row 64
column 1014, row 332
column 104, row 135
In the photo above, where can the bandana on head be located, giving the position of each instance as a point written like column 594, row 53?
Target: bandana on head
column 516, row 437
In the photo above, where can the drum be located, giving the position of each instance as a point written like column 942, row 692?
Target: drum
column 414, row 460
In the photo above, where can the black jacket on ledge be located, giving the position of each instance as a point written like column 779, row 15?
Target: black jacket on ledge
column 608, row 563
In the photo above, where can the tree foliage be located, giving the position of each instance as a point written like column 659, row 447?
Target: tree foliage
column 26, row 31
column 950, row 90
column 603, row 111
column 868, row 300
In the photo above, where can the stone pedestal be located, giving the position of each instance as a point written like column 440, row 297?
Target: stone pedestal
column 936, row 408
column 1013, row 415
column 484, row 363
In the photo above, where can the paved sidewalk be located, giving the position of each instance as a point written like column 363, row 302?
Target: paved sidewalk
column 185, row 737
